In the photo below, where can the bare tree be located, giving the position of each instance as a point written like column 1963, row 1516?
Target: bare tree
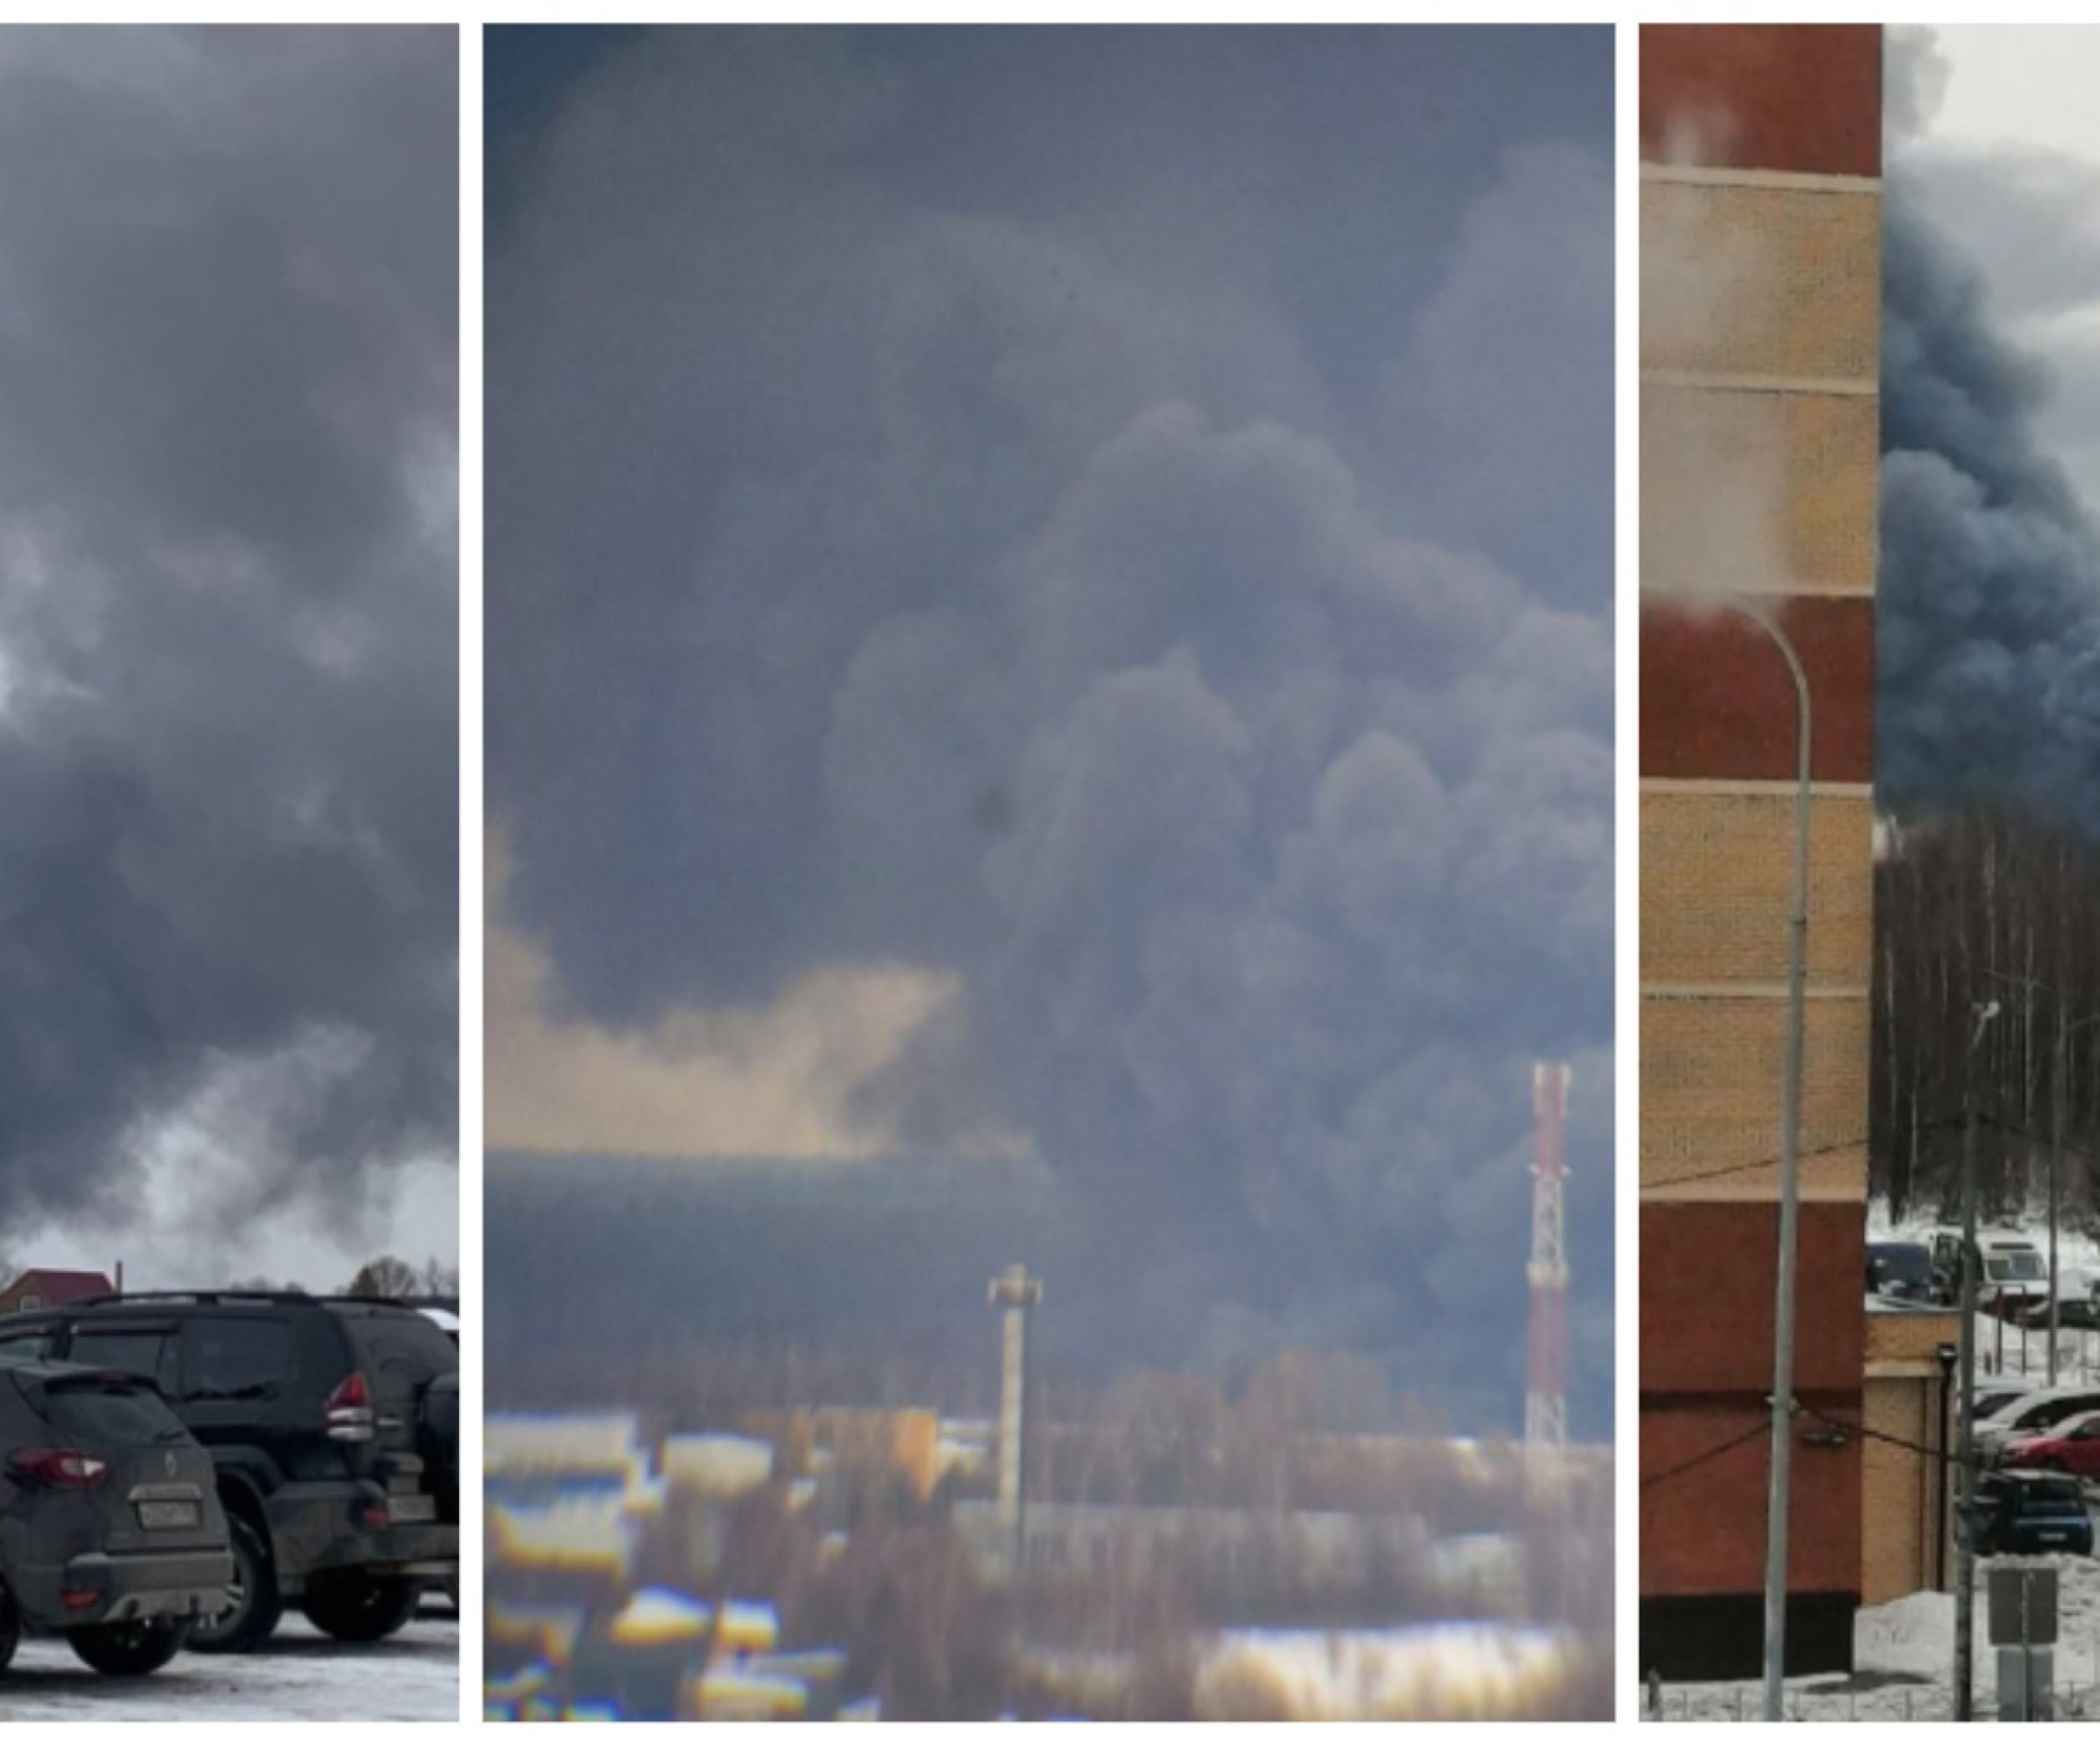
column 386, row 1276
column 1985, row 906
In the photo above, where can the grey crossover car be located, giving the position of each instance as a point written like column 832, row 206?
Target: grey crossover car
column 111, row 1533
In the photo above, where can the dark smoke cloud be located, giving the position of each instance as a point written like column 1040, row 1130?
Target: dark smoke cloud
column 228, row 609
column 1989, row 627
column 1126, row 519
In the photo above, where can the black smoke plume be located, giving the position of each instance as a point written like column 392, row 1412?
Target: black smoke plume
column 1064, row 511
column 228, row 609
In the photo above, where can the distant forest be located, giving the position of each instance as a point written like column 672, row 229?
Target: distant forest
column 1971, row 908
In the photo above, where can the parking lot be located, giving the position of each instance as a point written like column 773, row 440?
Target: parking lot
column 300, row 1677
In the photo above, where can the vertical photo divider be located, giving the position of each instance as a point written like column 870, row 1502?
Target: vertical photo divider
column 472, row 1345
column 1626, row 859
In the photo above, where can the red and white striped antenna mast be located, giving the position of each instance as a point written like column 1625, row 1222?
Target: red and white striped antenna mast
column 1545, row 1392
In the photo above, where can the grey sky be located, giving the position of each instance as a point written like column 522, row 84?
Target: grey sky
column 2009, row 162
column 1990, row 623
column 1098, row 544
column 228, row 648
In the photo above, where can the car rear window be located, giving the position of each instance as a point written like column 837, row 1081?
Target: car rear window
column 2055, row 1493
column 143, row 1352
column 108, row 1412
column 237, row 1358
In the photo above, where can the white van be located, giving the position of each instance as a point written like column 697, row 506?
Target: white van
column 2011, row 1267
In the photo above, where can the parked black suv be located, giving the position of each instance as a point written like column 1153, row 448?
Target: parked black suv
column 333, row 1423
column 110, row 1531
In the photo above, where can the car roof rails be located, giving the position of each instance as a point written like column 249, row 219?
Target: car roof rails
column 256, row 1296
column 233, row 1296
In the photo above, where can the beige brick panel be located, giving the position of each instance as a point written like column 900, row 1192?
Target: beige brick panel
column 1763, row 282
column 1805, row 466
column 1839, row 1174
column 1710, row 1083
column 1716, row 879
column 1899, row 1505
column 1906, row 1339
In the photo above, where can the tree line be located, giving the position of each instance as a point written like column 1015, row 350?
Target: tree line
column 1971, row 909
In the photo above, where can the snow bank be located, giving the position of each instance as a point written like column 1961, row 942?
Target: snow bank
column 1449, row 1671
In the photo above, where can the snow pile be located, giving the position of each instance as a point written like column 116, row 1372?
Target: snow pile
column 516, row 1444
column 589, row 1532
column 660, row 1616
column 1448, row 1672
column 716, row 1466
column 1913, row 1636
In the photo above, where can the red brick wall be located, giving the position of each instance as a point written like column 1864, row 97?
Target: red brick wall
column 1707, row 1282
column 1805, row 98
column 1702, row 1532
column 1707, row 1275
column 1716, row 700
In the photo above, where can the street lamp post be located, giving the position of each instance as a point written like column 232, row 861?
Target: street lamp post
column 1966, row 1520
column 1782, row 1398
column 2060, row 1122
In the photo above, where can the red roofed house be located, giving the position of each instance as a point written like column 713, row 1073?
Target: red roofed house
column 42, row 1288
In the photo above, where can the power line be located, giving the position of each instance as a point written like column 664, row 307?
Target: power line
column 1722, row 1169
column 1939, row 1124
column 1650, row 1481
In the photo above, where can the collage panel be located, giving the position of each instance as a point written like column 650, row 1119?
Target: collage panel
column 1049, row 886
column 1869, row 974
column 229, row 875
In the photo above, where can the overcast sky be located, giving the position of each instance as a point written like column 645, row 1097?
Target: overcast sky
column 2010, row 159
column 1990, row 637
column 1048, row 594
column 228, row 650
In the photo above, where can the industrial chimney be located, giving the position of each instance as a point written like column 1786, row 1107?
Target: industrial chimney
column 1015, row 1295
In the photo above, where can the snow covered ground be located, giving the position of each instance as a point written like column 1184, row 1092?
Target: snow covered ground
column 301, row 1677
column 1903, row 1653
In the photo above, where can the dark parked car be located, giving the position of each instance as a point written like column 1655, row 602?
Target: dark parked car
column 111, row 1529
column 2026, row 1513
column 334, row 1424
column 1900, row 1270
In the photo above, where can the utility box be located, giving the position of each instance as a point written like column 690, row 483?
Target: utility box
column 2026, row 1684
column 2023, row 1627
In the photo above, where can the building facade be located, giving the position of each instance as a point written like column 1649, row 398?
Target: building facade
column 1760, row 219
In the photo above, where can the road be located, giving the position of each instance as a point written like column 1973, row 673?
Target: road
column 300, row 1677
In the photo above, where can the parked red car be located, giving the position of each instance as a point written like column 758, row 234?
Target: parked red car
column 2071, row 1447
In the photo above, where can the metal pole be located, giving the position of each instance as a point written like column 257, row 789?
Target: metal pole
column 1946, row 1354
column 1782, row 1398
column 2060, row 1106
column 2056, row 1172
column 1965, row 1519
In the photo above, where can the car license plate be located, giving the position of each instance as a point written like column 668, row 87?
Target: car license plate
column 412, row 1507
column 168, row 1515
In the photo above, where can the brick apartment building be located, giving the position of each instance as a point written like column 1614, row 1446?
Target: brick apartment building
column 1759, row 382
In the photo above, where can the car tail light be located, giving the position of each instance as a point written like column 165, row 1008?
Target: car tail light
column 348, row 1413
column 79, row 1600
column 64, row 1469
